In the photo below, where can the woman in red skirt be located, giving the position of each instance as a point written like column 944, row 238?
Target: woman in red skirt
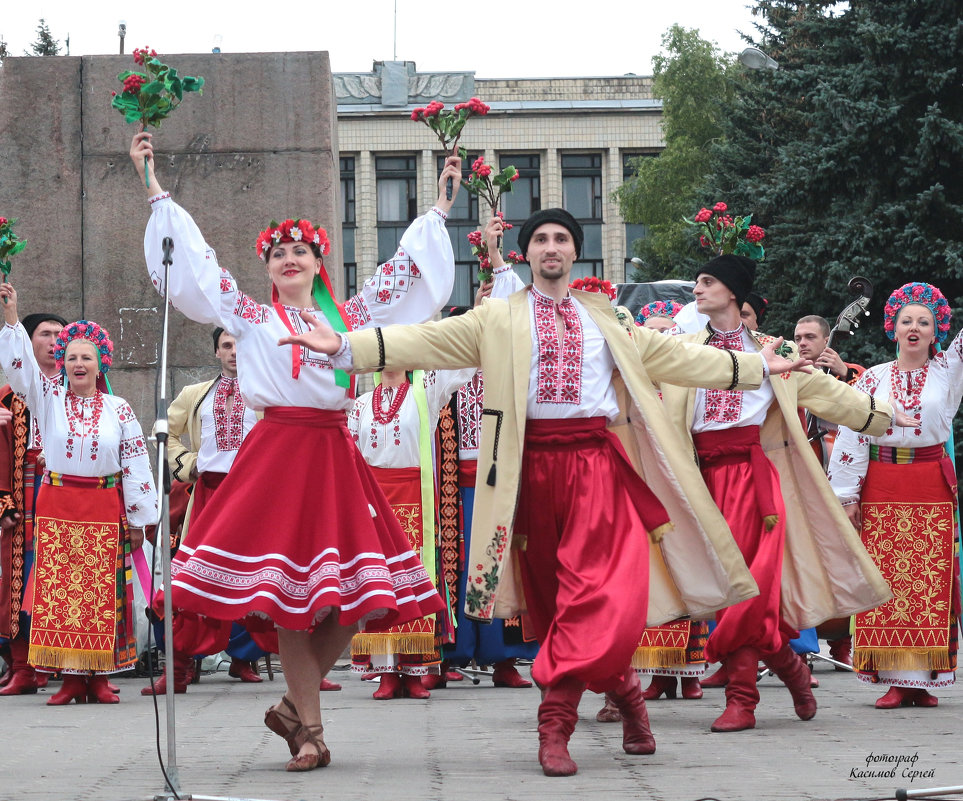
column 302, row 537
column 900, row 492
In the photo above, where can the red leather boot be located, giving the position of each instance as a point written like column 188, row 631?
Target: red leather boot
column 413, row 687
column 506, row 674
column 608, row 713
column 557, row 716
column 390, row 687
column 183, row 674
column 792, row 670
column 243, row 670
column 742, row 695
column 74, row 688
column 896, row 697
column 691, row 687
column 718, row 679
column 23, row 678
column 659, row 686
column 97, row 690
column 636, row 735
column 842, row 651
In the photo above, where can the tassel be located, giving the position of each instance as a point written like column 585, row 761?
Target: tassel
column 658, row 658
column 656, row 534
column 769, row 521
column 868, row 659
column 491, row 476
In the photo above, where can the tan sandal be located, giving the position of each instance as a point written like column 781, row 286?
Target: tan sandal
column 285, row 723
column 312, row 734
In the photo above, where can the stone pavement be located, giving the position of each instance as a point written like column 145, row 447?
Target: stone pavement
column 475, row 742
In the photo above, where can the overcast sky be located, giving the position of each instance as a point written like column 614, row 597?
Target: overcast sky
column 599, row 37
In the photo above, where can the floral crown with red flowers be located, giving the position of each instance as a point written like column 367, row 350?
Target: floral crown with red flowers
column 291, row 231
column 658, row 308
column 918, row 294
column 593, row 284
column 93, row 333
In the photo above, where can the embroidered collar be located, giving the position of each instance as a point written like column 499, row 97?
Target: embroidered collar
column 541, row 297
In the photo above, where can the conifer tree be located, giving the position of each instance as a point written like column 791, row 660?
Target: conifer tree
column 45, row 45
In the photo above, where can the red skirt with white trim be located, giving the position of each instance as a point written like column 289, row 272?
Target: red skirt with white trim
column 298, row 529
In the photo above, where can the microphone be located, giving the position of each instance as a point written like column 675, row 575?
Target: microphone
column 168, row 245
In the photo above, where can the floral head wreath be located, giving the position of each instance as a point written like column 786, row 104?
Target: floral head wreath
column 93, row 333
column 291, row 231
column 658, row 308
column 915, row 293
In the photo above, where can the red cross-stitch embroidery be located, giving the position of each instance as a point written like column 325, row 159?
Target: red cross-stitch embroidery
column 228, row 427
column 356, row 310
column 470, row 401
column 396, row 277
column 724, row 406
column 559, row 375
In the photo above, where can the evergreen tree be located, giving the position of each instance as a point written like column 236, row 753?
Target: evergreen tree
column 691, row 82
column 850, row 156
column 45, row 45
column 4, row 51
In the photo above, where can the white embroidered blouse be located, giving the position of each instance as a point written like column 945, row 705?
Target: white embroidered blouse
column 392, row 440
column 931, row 394
column 90, row 437
column 222, row 432
column 409, row 288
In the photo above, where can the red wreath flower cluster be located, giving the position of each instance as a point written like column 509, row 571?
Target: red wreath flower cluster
column 433, row 109
column 594, row 284
column 479, row 248
column 480, row 168
column 920, row 294
column 291, row 231
column 133, row 83
column 84, row 329
column 722, row 233
column 475, row 106
column 143, row 53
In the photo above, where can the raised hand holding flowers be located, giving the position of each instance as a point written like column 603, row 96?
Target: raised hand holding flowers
column 486, row 247
column 149, row 97
column 722, row 234
column 481, row 182
column 448, row 126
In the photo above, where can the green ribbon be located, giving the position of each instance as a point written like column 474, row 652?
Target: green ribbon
column 321, row 291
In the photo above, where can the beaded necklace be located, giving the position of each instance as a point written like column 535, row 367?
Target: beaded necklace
column 378, row 411
column 914, row 382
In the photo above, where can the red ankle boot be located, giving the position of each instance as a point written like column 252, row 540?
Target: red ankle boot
column 718, row 679
column 506, row 674
column 328, row 686
column 557, row 715
column 74, row 688
column 390, row 687
column 842, row 651
column 659, row 686
column 413, row 687
column 742, row 695
column 609, row 713
column 792, row 670
column 183, row 674
column 98, row 691
column 22, row 677
column 636, row 735
column 243, row 670
column 896, row 697
column 691, row 688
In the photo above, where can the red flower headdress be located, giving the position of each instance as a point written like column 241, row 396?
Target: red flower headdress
column 919, row 294
column 291, row 231
column 93, row 333
column 658, row 308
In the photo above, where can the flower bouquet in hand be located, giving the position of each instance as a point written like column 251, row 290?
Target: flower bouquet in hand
column 10, row 245
column 593, row 284
column 479, row 249
column 723, row 234
column 150, row 96
column 481, row 182
column 448, row 126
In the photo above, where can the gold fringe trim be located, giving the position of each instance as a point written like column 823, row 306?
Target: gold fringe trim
column 770, row 521
column 392, row 644
column 656, row 534
column 901, row 659
column 71, row 659
column 658, row 658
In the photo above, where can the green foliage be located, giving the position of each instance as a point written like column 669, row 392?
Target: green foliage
column 691, row 80
column 45, row 45
column 850, row 155
column 10, row 245
column 150, row 96
column 4, row 50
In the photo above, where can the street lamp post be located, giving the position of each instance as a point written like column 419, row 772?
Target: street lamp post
column 121, row 33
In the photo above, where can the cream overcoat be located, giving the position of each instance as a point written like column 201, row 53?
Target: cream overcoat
column 827, row 572
column 697, row 567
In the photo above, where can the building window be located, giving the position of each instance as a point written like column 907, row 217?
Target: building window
column 633, row 231
column 396, row 185
column 582, row 198
column 348, row 226
column 462, row 220
column 523, row 201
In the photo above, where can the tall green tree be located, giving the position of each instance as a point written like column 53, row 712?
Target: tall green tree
column 45, row 45
column 4, row 50
column 690, row 79
column 850, row 155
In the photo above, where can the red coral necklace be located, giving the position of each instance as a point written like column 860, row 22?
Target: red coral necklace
column 914, row 382
column 378, row 411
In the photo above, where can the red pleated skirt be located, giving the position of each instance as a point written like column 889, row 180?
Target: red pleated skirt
column 298, row 529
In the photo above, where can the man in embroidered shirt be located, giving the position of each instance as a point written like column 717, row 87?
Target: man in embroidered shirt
column 213, row 420
column 560, row 367
column 751, row 446
column 21, row 470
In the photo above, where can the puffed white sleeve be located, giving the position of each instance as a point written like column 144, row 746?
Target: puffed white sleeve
column 140, row 496
column 22, row 371
column 850, row 458
column 413, row 285
column 440, row 385
column 506, row 282
column 199, row 288
column 954, row 361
